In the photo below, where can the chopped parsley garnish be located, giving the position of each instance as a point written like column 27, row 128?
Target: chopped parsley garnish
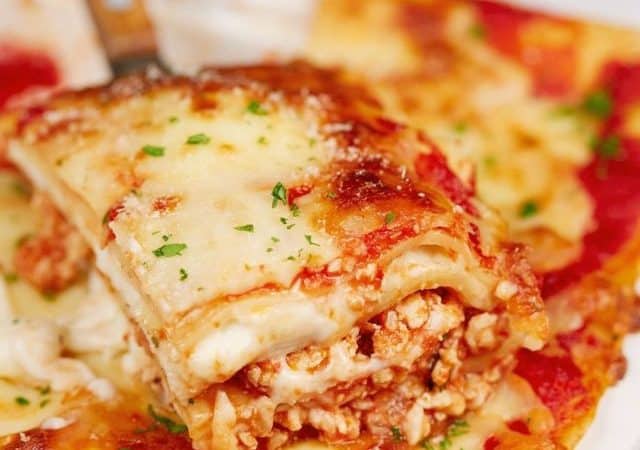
column 247, row 228
column 166, row 237
column 44, row 390
column 490, row 160
column 22, row 401
column 310, row 240
column 274, row 239
column 528, row 209
column 291, row 258
column 169, row 250
column 599, row 104
column 10, row 278
column 183, row 274
column 173, row 119
column 270, row 249
column 389, row 217
column 262, row 140
column 200, row 138
column 291, row 226
column 478, row 31
column 458, row 428
column 254, row 107
column 21, row 189
column 170, row 425
column 460, row 127
column 312, row 142
column 278, row 194
column 283, row 220
column 295, row 210
column 44, row 402
column 397, row 434
column 153, row 150
column 608, row 147
column 564, row 110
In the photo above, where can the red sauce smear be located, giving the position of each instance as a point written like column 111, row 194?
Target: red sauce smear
column 613, row 184
column 22, row 69
column 433, row 167
column 551, row 67
column 555, row 379
column 491, row 443
column 519, row 426
column 295, row 192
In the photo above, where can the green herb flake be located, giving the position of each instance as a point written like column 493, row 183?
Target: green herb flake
column 262, row 140
column 295, row 210
column 283, row 220
column 598, row 104
column 460, row 127
column 312, row 142
column 291, row 226
column 528, row 209
column 183, row 274
column 166, row 237
column 169, row 250
column 397, row 434
column 10, row 278
column 389, row 217
column 563, row 110
column 22, row 401
column 274, row 239
column 153, row 150
column 608, row 147
column 44, row 402
column 458, row 428
column 170, row 425
column 310, row 240
column 21, row 189
column 248, row 228
column 197, row 139
column 44, row 390
column 478, row 31
column 173, row 119
column 490, row 161
column 254, row 107
column 278, row 194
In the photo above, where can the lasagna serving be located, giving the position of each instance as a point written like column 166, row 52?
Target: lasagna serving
column 546, row 109
column 298, row 265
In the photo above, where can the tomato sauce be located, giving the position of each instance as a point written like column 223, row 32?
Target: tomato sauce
column 22, row 69
column 551, row 67
column 612, row 183
column 555, row 379
column 433, row 167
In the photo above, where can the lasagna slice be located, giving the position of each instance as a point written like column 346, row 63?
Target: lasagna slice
column 299, row 266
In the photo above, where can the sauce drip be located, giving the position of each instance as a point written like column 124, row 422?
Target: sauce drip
column 612, row 183
column 551, row 67
column 22, row 69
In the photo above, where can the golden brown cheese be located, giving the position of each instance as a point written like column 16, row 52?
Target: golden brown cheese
column 251, row 215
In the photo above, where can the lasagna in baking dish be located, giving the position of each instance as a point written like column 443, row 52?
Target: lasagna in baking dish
column 298, row 265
